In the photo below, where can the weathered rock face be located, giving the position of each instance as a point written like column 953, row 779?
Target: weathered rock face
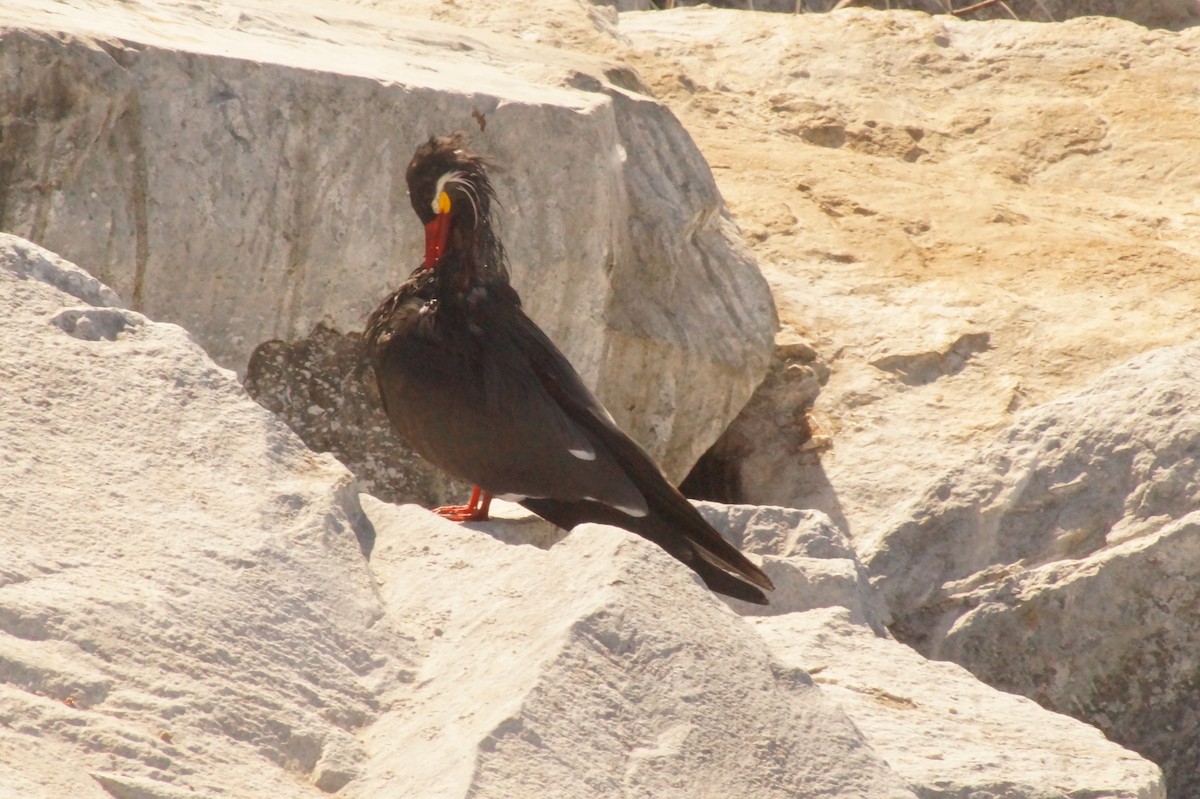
column 322, row 386
column 192, row 603
column 974, row 741
column 1151, row 13
column 200, row 164
column 182, row 588
column 1059, row 562
column 1010, row 217
column 626, row 5
column 627, row 691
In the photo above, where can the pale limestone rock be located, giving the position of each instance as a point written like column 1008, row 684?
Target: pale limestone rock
column 1059, row 561
column 597, row 668
column 943, row 731
column 180, row 584
column 625, row 5
column 809, row 559
column 191, row 603
column 239, row 170
column 1023, row 181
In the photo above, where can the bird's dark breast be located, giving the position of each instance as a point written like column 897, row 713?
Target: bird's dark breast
column 429, row 379
column 463, row 393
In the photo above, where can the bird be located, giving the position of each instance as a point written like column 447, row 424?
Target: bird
column 478, row 389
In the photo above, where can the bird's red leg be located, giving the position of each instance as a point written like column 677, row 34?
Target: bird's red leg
column 476, row 509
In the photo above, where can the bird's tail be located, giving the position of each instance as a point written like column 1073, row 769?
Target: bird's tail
column 677, row 527
column 683, row 532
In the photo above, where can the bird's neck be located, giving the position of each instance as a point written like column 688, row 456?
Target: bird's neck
column 473, row 254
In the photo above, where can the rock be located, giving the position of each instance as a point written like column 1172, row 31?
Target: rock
column 1151, row 13
column 639, row 683
column 192, row 603
column 1014, row 184
column 903, row 704
column 1056, row 562
column 1050, row 209
column 808, row 558
column 239, row 171
column 626, row 5
column 322, row 386
column 942, row 731
column 181, row 588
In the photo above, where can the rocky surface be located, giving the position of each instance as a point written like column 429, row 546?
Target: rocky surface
column 181, row 586
column 974, row 741
column 960, row 222
column 1011, row 216
column 238, row 169
column 1059, row 561
column 1151, row 13
column 192, row 603
column 1007, row 218
column 636, row 683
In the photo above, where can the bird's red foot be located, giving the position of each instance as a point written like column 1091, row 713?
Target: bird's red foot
column 476, row 509
column 461, row 513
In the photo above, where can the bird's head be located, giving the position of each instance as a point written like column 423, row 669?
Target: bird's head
column 450, row 191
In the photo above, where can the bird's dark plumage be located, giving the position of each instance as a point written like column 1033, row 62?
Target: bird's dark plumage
column 478, row 389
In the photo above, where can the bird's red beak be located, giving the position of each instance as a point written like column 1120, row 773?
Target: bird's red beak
column 437, row 232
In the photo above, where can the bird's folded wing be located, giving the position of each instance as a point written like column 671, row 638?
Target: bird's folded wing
column 563, row 383
column 556, row 452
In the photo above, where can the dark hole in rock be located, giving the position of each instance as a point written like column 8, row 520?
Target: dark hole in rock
column 775, row 419
column 323, row 388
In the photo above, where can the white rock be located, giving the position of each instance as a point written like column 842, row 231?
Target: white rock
column 239, row 170
column 942, row 730
column 1058, row 561
column 185, row 609
column 810, row 560
column 180, row 585
column 597, row 668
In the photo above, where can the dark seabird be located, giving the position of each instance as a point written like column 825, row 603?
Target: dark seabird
column 478, row 389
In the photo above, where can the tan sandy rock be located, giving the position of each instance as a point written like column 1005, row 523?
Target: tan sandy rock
column 1023, row 195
